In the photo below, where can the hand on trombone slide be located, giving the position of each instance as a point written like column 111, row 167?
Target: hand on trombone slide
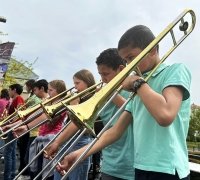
column 20, row 130
column 51, row 150
column 127, row 84
column 67, row 162
column 9, row 126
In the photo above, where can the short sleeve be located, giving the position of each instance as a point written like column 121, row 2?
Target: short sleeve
column 129, row 106
column 178, row 75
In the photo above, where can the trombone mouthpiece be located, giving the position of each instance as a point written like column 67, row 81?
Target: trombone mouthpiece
column 2, row 19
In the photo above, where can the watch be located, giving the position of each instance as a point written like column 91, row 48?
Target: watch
column 137, row 84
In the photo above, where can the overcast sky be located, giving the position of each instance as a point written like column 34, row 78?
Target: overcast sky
column 66, row 36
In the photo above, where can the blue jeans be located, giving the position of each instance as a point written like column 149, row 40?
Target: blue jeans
column 10, row 158
column 81, row 171
column 1, row 144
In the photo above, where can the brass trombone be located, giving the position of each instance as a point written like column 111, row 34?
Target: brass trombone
column 23, row 114
column 86, row 113
column 57, row 109
column 51, row 111
column 8, row 119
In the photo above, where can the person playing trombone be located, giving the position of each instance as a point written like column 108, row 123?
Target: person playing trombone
column 116, row 159
column 159, row 114
column 82, row 79
column 15, row 91
column 46, row 131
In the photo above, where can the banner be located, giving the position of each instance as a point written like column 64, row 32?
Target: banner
column 6, row 51
column 5, row 55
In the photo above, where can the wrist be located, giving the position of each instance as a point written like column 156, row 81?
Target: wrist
column 137, row 84
column 27, row 126
column 57, row 142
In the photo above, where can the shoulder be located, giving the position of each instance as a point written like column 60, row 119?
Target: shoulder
column 179, row 68
column 18, row 100
column 34, row 99
column 178, row 75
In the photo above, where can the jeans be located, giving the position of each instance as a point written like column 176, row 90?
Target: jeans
column 22, row 145
column 10, row 158
column 1, row 144
column 81, row 171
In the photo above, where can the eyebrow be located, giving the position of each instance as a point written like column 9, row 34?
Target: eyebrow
column 129, row 55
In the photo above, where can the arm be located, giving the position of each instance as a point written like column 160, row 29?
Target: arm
column 163, row 107
column 118, row 100
column 7, row 127
column 67, row 133
column 108, row 137
column 24, row 128
column 37, row 120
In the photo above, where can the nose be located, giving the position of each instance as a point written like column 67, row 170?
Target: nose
column 104, row 80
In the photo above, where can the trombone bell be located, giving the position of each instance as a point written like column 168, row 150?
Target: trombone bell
column 85, row 113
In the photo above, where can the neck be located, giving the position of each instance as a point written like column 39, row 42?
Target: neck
column 45, row 96
column 15, row 96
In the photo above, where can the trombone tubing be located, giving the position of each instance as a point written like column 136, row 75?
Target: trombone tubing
column 51, row 110
column 119, row 78
column 43, row 149
column 84, row 112
column 48, row 110
column 52, row 159
column 36, row 111
column 73, row 137
column 98, row 136
column 64, row 154
column 11, row 116
column 39, row 124
column 25, row 122
column 22, row 114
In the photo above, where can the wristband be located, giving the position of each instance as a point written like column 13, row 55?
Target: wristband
column 137, row 84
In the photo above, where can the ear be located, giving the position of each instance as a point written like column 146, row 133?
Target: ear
column 121, row 67
column 42, row 88
column 153, row 52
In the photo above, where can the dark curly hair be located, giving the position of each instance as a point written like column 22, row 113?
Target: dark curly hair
column 110, row 58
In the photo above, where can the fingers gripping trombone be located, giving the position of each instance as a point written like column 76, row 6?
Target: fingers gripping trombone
column 49, row 112
column 85, row 114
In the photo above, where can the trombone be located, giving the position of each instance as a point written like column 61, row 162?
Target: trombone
column 57, row 109
column 22, row 114
column 86, row 113
column 51, row 111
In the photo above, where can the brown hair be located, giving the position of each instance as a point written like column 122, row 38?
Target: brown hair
column 85, row 76
column 59, row 85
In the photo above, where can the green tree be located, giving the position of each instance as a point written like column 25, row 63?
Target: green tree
column 18, row 72
column 194, row 128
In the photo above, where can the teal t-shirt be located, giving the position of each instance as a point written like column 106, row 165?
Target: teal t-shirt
column 157, row 148
column 117, row 158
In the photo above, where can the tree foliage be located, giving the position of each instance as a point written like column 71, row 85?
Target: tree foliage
column 18, row 72
column 194, row 129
